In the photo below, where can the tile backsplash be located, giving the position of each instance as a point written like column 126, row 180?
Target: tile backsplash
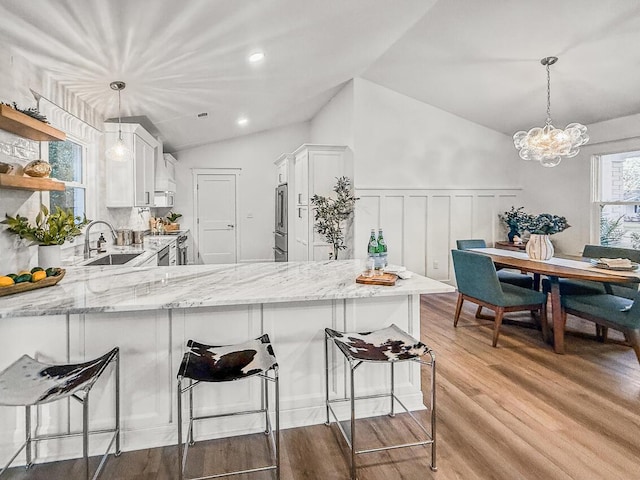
column 17, row 151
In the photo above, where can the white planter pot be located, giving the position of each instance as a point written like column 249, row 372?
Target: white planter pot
column 48, row 256
column 539, row 247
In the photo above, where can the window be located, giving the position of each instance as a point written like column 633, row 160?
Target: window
column 618, row 199
column 67, row 165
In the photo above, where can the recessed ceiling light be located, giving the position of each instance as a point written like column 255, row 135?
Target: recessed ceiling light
column 242, row 121
column 256, row 57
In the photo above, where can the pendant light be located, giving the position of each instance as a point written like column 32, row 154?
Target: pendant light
column 119, row 152
column 548, row 145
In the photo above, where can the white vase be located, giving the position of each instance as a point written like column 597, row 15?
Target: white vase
column 48, row 256
column 539, row 247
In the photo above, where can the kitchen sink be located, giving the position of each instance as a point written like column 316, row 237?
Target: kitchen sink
column 114, row 259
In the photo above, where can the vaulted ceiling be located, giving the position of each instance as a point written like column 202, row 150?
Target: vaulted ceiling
column 479, row 59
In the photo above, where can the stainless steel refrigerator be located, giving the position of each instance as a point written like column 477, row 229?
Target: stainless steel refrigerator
column 280, row 231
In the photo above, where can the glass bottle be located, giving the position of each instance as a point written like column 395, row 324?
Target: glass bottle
column 372, row 248
column 382, row 250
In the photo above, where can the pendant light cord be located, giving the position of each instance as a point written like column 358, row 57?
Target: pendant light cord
column 120, row 114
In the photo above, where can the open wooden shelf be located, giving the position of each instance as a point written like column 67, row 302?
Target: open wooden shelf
column 30, row 183
column 15, row 122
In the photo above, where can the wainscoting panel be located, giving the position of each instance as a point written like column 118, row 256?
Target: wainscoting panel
column 421, row 226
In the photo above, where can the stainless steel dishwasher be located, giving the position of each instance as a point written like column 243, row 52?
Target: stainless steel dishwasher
column 163, row 256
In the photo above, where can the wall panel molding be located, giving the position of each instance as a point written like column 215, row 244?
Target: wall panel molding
column 421, row 226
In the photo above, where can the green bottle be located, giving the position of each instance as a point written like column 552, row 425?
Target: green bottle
column 372, row 247
column 382, row 250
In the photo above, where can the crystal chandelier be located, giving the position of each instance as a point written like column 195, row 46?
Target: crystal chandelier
column 119, row 152
column 548, row 144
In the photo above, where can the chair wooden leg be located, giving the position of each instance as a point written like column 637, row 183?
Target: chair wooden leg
column 458, row 310
column 633, row 337
column 498, row 322
column 479, row 311
column 543, row 322
column 604, row 334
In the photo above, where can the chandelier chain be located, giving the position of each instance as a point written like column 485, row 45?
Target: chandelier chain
column 548, row 95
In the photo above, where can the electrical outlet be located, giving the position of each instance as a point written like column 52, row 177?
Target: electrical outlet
column 436, row 265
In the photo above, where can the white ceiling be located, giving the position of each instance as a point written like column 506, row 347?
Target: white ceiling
column 478, row 59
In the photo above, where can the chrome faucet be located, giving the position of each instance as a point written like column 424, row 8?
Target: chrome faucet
column 87, row 247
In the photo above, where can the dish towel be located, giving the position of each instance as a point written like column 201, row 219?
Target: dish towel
column 616, row 262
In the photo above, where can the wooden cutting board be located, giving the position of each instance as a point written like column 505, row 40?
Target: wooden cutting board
column 388, row 279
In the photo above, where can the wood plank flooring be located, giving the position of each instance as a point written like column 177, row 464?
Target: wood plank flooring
column 517, row 411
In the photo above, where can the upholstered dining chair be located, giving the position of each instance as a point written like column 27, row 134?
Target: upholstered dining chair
column 505, row 276
column 478, row 282
column 607, row 311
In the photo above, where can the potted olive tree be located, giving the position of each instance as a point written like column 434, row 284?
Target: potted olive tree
column 331, row 214
column 51, row 230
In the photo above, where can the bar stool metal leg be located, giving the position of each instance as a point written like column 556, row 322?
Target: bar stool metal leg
column 265, row 406
column 326, row 375
column 353, row 422
column 118, row 451
column 27, row 429
column 85, row 433
column 433, row 412
column 277, row 381
column 393, row 382
column 191, row 440
column 180, row 452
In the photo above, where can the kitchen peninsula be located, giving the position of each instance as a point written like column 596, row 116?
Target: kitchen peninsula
column 150, row 313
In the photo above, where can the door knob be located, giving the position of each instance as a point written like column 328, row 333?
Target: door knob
column 230, row 226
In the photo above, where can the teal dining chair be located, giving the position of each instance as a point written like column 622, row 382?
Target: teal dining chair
column 478, row 282
column 607, row 311
column 505, row 276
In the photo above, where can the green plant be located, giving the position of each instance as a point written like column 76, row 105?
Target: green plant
column 545, row 224
column 514, row 218
column 635, row 240
column 331, row 213
column 173, row 216
column 611, row 230
column 50, row 228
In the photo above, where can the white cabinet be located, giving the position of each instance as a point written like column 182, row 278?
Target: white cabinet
column 315, row 172
column 282, row 166
column 166, row 173
column 132, row 183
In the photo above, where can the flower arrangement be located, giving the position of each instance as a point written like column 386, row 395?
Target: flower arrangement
column 515, row 219
column 51, row 228
column 330, row 214
column 545, row 224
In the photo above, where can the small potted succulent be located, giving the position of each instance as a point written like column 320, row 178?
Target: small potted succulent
column 170, row 224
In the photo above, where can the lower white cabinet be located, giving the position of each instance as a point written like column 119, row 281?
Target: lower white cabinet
column 132, row 183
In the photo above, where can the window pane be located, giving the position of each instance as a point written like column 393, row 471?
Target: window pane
column 620, row 177
column 66, row 161
column 73, row 198
column 620, row 226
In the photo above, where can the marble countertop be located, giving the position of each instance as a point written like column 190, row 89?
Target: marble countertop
column 125, row 288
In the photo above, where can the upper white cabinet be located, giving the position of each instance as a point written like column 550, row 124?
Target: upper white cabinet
column 315, row 172
column 282, row 166
column 166, row 173
column 131, row 184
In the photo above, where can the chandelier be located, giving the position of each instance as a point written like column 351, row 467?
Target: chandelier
column 548, row 145
column 119, row 152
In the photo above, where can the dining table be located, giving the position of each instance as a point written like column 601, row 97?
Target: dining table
column 555, row 268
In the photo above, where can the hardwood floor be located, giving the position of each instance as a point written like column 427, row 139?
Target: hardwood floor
column 517, row 411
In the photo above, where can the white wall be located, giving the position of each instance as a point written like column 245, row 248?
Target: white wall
column 254, row 154
column 333, row 124
column 402, row 142
column 566, row 189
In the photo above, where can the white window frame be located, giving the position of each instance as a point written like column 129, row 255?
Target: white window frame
column 596, row 193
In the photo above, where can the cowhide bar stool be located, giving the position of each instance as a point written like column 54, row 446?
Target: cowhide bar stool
column 387, row 346
column 209, row 363
column 28, row 383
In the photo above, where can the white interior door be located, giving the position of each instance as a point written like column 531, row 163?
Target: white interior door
column 216, row 218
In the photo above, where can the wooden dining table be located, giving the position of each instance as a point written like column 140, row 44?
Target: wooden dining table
column 556, row 268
